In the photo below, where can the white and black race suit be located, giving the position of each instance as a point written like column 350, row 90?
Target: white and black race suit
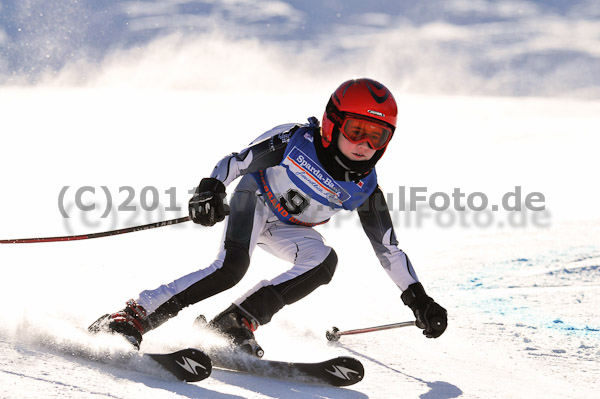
column 284, row 191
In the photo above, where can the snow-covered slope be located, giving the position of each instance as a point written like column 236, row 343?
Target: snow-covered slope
column 135, row 106
column 522, row 300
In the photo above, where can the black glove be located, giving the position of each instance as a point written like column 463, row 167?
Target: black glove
column 206, row 206
column 431, row 317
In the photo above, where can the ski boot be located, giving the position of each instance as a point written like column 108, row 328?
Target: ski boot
column 240, row 327
column 130, row 322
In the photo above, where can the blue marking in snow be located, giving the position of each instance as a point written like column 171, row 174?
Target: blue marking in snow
column 563, row 265
column 560, row 325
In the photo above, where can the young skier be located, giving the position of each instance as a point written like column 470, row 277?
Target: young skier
column 293, row 177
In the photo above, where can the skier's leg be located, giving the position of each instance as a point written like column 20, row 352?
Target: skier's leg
column 153, row 307
column 243, row 226
column 314, row 265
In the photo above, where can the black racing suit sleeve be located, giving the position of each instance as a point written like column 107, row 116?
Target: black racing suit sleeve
column 375, row 219
column 262, row 155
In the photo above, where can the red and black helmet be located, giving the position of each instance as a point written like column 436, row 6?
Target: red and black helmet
column 362, row 110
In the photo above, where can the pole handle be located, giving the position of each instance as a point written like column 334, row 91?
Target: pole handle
column 437, row 323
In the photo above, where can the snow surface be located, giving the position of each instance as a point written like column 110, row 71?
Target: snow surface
column 522, row 289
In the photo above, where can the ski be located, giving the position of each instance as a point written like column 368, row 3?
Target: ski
column 189, row 365
column 340, row 371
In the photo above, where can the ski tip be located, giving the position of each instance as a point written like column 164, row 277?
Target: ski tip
column 189, row 365
column 343, row 371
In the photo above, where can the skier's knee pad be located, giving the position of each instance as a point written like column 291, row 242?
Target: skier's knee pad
column 304, row 284
column 328, row 266
column 236, row 262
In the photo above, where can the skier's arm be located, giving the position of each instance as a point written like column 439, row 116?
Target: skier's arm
column 207, row 206
column 260, row 156
column 377, row 223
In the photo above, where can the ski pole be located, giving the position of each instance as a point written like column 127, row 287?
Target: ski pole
column 97, row 235
column 335, row 334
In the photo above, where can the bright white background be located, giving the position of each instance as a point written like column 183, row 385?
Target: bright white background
column 491, row 95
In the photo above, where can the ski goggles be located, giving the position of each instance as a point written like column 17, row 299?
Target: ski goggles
column 358, row 129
